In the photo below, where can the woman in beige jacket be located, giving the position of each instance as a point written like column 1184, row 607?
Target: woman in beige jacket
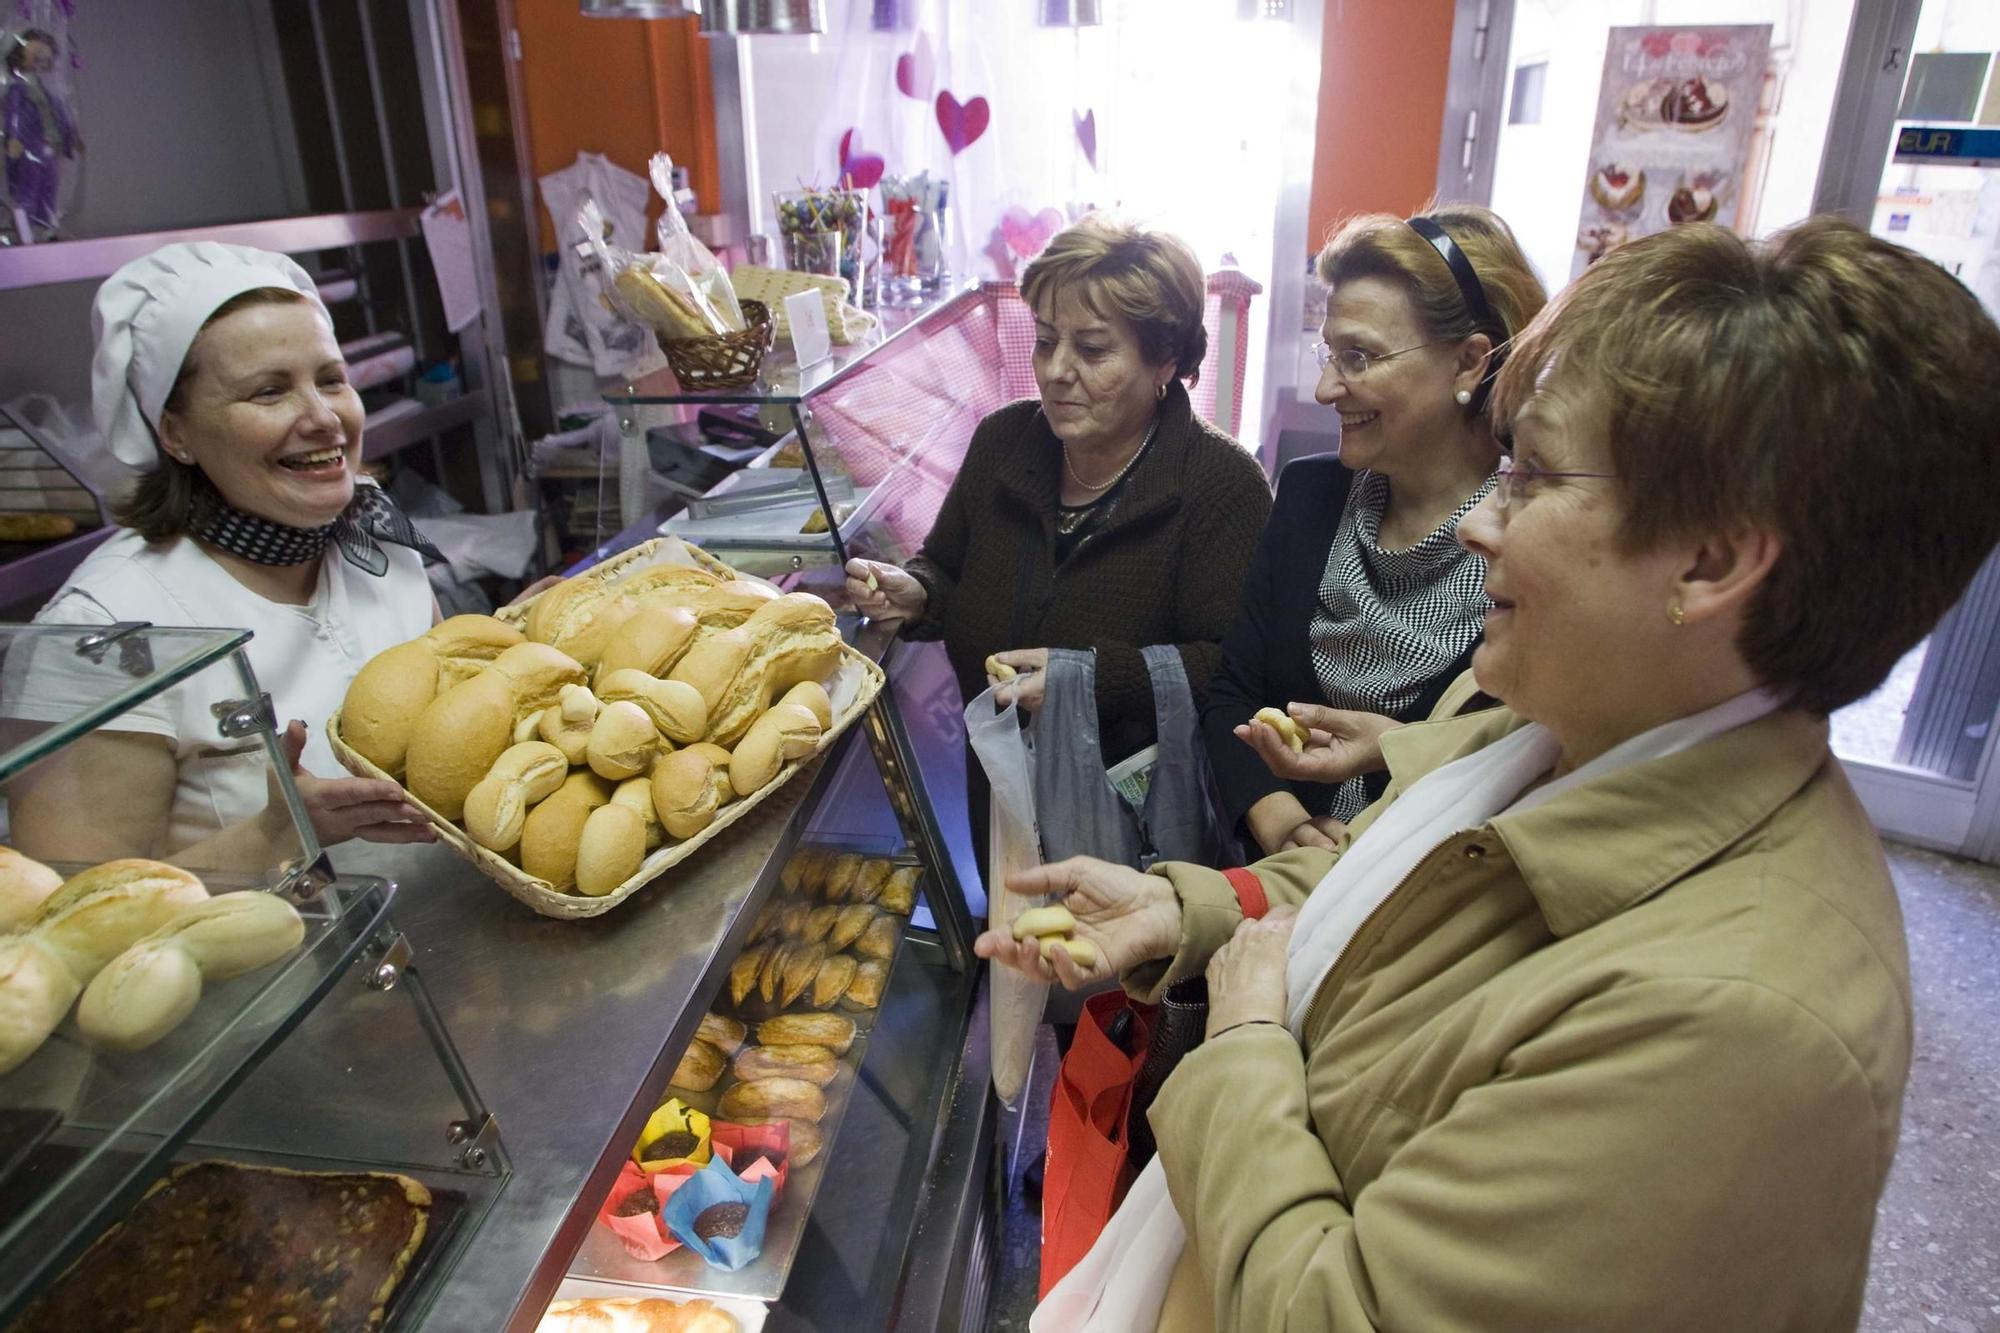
column 1600, row 1018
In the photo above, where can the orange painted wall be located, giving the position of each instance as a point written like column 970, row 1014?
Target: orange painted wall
column 1382, row 80
column 626, row 88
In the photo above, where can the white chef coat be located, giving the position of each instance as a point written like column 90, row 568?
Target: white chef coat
column 303, row 656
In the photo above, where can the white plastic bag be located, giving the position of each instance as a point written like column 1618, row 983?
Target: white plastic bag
column 1014, row 1008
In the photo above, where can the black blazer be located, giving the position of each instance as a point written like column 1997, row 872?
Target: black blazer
column 1267, row 655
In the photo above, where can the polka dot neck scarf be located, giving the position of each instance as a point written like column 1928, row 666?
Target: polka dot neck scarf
column 371, row 519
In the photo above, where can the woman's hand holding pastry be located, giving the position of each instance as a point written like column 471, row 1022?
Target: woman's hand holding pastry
column 1246, row 978
column 882, row 591
column 1022, row 674
column 1314, row 743
column 1125, row 916
column 374, row 809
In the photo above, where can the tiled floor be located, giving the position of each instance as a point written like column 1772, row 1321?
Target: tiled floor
column 1937, row 1238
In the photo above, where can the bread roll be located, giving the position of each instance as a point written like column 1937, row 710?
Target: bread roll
column 675, row 707
column 538, row 674
column 634, row 1314
column 579, row 616
column 99, row 913
column 551, row 834
column 384, row 701
column 715, row 754
column 700, row 1068
column 637, row 794
column 793, row 1098
column 725, row 1034
column 466, row 645
column 712, row 665
column 457, row 740
column 497, row 808
column 812, row 877
column 729, row 605
column 566, row 723
column 234, row 933
column 769, row 975
column 832, row 980
column 585, row 786
column 25, row 884
column 791, row 640
column 814, row 1064
column 610, row 849
column 801, row 966
column 667, row 578
column 622, row 741
column 810, row 694
column 688, row 790
column 828, row 1030
column 865, row 991
column 36, row 990
column 146, row 992
column 786, row 732
column 819, row 922
column 743, row 973
column 651, row 640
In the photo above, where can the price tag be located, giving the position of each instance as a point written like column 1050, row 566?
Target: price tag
column 806, row 313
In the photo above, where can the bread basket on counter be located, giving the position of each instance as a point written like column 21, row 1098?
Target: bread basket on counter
column 852, row 688
column 726, row 361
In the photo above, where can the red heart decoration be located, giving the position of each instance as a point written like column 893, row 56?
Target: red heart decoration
column 862, row 169
column 1026, row 235
column 962, row 123
column 1086, row 135
column 915, row 69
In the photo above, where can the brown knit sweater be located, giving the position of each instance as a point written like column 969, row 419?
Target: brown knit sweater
column 1166, row 566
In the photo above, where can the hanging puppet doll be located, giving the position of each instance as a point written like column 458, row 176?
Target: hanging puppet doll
column 40, row 132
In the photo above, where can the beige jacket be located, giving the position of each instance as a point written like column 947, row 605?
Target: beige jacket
column 1632, row 1059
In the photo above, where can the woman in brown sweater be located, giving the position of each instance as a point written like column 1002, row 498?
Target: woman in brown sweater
column 1104, row 516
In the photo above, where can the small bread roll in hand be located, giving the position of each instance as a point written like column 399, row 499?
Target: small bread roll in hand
column 497, row 808
column 623, row 741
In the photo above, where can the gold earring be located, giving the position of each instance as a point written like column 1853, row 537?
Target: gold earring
column 1163, row 393
column 1675, row 614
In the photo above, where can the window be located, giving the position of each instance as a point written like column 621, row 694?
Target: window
column 1525, row 107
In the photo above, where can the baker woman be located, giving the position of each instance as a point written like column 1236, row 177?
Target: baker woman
column 217, row 376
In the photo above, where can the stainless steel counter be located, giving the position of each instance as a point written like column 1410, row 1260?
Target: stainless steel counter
column 570, row 1029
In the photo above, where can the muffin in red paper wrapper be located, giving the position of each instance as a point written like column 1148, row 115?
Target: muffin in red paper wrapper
column 720, row 1217
column 632, row 1212
column 675, row 1134
column 755, row 1152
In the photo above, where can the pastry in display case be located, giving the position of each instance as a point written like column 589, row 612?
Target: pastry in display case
column 153, row 971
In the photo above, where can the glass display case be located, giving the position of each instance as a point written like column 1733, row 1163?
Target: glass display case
column 143, row 1027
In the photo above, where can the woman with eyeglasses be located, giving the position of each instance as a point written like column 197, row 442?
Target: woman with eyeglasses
column 1360, row 607
column 1600, row 1018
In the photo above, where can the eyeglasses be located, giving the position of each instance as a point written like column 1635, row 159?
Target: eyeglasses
column 1512, row 475
column 1353, row 362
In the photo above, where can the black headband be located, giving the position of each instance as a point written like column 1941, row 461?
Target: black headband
column 1474, row 295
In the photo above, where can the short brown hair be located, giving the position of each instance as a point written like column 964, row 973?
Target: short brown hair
column 1382, row 245
column 1824, row 385
column 1146, row 277
column 176, row 498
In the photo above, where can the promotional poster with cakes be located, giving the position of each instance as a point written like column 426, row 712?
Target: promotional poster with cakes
column 1674, row 118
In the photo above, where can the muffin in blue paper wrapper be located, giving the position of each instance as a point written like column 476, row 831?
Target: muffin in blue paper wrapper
column 720, row 1216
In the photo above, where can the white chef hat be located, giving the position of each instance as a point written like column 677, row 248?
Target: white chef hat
column 145, row 319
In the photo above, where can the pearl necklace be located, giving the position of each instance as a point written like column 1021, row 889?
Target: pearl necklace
column 1070, row 467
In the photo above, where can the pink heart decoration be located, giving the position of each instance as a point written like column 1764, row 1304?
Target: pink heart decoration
column 1086, row 135
column 962, row 123
column 864, row 169
column 915, row 70
column 1028, row 235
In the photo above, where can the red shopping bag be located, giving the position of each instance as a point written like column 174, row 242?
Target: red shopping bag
column 1089, row 1163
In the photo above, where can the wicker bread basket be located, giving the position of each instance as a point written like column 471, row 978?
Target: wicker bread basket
column 727, row 361
column 853, row 688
